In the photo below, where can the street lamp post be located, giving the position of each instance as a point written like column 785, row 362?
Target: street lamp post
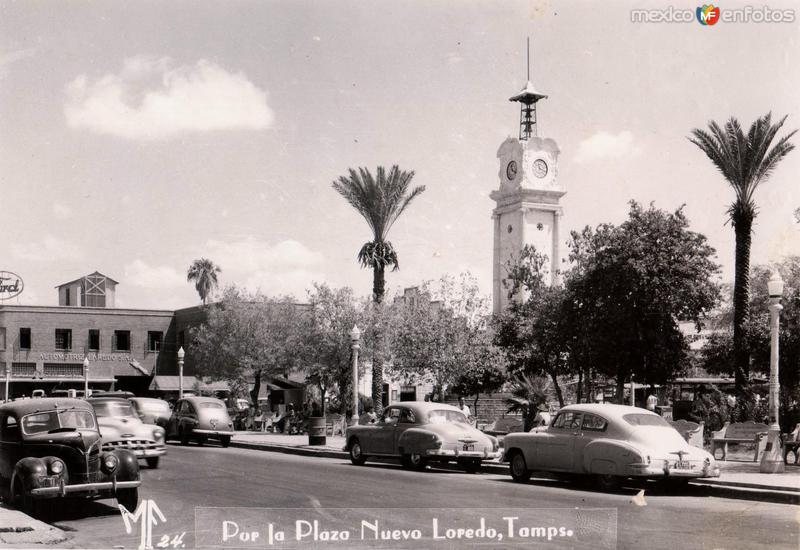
column 85, row 377
column 355, row 336
column 772, row 459
column 8, row 380
column 181, row 355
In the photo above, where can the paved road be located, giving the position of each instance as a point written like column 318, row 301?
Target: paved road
column 192, row 477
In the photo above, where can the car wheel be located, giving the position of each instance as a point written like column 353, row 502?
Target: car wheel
column 608, row 482
column 225, row 440
column 201, row 440
column 129, row 498
column 152, row 462
column 357, row 457
column 471, row 466
column 184, row 437
column 790, row 457
column 518, row 468
column 22, row 500
column 414, row 461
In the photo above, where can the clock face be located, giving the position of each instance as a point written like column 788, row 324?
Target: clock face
column 511, row 170
column 539, row 168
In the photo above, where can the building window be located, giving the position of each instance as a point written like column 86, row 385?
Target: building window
column 122, row 340
column 2, row 338
column 24, row 338
column 63, row 338
column 66, row 296
column 154, row 340
column 94, row 340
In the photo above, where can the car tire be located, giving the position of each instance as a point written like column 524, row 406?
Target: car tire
column 22, row 500
column 472, row 465
column 608, row 482
column 414, row 461
column 184, row 437
column 790, row 457
column 519, row 468
column 201, row 440
column 129, row 498
column 357, row 457
column 152, row 462
column 225, row 441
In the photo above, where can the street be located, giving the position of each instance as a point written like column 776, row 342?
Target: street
column 210, row 476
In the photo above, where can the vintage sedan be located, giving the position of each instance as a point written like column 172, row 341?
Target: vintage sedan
column 151, row 410
column 121, row 428
column 50, row 448
column 610, row 442
column 200, row 418
column 419, row 433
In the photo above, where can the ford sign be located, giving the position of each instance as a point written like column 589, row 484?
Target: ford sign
column 11, row 285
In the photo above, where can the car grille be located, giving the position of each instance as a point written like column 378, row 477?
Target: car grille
column 131, row 445
column 85, row 468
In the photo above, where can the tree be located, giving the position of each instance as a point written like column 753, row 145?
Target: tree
column 247, row 337
column 527, row 393
column 204, row 274
column 325, row 349
column 482, row 372
column 628, row 288
column 745, row 161
column 380, row 199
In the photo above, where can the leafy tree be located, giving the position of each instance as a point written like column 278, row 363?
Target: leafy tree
column 204, row 274
column 745, row 161
column 380, row 199
column 483, row 372
column 530, row 331
column 630, row 285
column 325, row 349
column 247, row 337
column 527, row 393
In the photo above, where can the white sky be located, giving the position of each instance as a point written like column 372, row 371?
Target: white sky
column 137, row 137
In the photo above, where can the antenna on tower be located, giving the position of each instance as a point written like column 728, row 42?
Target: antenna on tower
column 527, row 99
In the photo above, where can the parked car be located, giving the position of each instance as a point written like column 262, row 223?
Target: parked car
column 121, row 428
column 200, row 418
column 151, row 410
column 421, row 432
column 610, row 442
column 50, row 448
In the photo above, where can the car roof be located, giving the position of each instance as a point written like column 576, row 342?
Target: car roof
column 423, row 407
column 28, row 406
column 201, row 399
column 608, row 410
column 147, row 400
column 108, row 399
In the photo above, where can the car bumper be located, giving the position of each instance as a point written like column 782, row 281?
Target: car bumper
column 665, row 471
column 140, row 451
column 218, row 433
column 85, row 488
column 455, row 453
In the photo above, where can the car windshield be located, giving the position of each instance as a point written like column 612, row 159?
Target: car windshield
column 153, row 406
column 444, row 416
column 112, row 408
column 210, row 405
column 43, row 422
column 645, row 420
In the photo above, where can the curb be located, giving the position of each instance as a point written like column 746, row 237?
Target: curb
column 729, row 489
column 21, row 530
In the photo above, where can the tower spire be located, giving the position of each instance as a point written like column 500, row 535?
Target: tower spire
column 527, row 99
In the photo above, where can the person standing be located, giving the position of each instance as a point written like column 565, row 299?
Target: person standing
column 465, row 409
column 542, row 417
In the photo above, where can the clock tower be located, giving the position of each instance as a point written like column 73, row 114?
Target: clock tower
column 527, row 210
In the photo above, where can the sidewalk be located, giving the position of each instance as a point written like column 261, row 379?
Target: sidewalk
column 735, row 475
column 22, row 531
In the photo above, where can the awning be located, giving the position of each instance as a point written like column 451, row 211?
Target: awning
column 172, row 383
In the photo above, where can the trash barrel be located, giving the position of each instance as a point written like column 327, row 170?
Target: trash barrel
column 316, row 430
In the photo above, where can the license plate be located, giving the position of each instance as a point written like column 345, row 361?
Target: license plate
column 683, row 465
column 468, row 447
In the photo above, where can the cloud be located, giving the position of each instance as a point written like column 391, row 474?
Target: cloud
column 9, row 58
column 151, row 99
column 62, row 211
column 141, row 274
column 288, row 267
column 604, row 145
column 48, row 249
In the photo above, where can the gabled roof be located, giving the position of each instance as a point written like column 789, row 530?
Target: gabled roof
column 89, row 275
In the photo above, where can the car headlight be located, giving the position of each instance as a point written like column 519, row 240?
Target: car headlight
column 56, row 467
column 158, row 435
column 110, row 463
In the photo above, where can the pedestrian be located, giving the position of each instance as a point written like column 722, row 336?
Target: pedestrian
column 652, row 400
column 369, row 416
column 465, row 409
column 542, row 417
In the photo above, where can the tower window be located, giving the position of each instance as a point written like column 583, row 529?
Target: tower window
column 122, row 340
column 63, row 339
column 24, row 338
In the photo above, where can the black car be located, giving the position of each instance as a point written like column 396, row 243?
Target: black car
column 50, row 448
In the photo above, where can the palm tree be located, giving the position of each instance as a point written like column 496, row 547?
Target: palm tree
column 527, row 393
column 380, row 199
column 204, row 274
column 745, row 161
